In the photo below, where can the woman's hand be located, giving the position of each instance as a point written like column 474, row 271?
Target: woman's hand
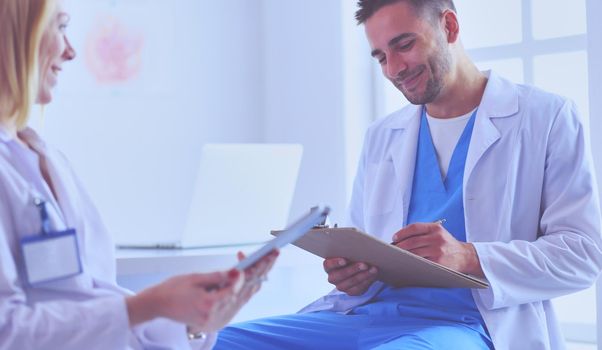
column 226, row 308
column 256, row 275
column 187, row 298
column 205, row 302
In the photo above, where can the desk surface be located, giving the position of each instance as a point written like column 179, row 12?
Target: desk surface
column 148, row 261
column 143, row 261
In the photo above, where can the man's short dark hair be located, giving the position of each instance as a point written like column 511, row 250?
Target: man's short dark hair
column 429, row 8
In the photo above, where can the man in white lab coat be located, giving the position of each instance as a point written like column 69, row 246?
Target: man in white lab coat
column 508, row 168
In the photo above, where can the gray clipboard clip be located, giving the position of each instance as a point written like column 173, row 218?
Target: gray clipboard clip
column 321, row 224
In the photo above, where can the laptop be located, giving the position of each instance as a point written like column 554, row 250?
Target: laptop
column 241, row 193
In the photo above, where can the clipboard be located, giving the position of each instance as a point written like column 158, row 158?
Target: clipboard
column 396, row 267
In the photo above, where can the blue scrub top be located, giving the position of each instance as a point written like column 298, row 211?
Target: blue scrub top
column 434, row 198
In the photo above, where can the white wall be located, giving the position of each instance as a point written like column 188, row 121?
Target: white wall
column 136, row 146
column 304, row 94
column 218, row 71
column 269, row 70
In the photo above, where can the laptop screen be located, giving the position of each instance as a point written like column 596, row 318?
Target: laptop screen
column 242, row 192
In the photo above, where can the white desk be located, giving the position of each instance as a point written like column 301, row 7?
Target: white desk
column 140, row 268
column 143, row 261
column 296, row 279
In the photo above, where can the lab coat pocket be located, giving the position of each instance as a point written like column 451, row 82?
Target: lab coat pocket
column 380, row 194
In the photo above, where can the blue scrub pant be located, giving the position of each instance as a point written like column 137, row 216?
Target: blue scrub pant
column 332, row 331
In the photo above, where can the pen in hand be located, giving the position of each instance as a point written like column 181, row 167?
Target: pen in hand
column 440, row 222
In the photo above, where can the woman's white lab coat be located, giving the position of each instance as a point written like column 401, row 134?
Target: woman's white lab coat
column 83, row 312
column 530, row 200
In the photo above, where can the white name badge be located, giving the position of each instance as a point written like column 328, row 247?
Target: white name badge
column 51, row 256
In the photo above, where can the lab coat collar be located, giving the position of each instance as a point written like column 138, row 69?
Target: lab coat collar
column 29, row 136
column 500, row 98
column 402, row 118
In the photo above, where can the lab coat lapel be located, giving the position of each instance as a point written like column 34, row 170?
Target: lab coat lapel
column 43, row 192
column 404, row 142
column 63, row 182
column 484, row 135
column 66, row 192
column 499, row 100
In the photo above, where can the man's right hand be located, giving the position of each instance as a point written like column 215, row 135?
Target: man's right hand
column 353, row 278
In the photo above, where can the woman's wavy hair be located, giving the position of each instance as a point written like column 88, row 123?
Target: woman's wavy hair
column 22, row 25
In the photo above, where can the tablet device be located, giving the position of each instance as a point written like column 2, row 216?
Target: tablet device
column 316, row 216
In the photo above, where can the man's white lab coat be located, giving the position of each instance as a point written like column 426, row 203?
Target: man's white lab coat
column 530, row 205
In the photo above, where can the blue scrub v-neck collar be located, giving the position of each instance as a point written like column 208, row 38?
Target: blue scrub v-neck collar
column 455, row 172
